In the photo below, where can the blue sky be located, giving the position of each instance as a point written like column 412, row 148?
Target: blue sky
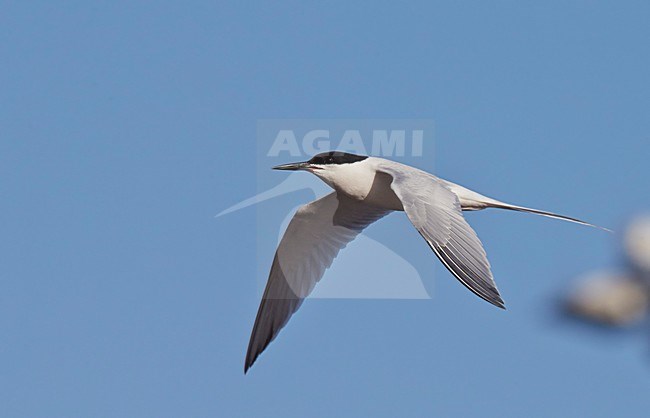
column 126, row 126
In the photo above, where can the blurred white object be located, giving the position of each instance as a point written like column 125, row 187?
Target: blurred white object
column 610, row 298
column 637, row 243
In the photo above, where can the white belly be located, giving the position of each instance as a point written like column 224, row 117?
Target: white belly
column 381, row 194
column 372, row 189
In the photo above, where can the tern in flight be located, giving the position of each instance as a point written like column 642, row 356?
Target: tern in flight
column 365, row 190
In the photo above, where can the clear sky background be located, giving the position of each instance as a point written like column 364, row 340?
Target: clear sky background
column 126, row 126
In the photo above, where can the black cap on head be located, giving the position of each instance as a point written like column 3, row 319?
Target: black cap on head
column 336, row 157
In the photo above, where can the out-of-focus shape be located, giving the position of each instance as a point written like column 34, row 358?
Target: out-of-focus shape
column 609, row 298
column 621, row 298
column 637, row 244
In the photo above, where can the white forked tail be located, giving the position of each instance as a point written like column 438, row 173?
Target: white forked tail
column 500, row 205
column 470, row 200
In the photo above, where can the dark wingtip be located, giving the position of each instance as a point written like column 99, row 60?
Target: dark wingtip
column 248, row 364
column 498, row 302
column 492, row 297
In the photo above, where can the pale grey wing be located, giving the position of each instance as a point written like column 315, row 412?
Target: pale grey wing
column 312, row 240
column 435, row 212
